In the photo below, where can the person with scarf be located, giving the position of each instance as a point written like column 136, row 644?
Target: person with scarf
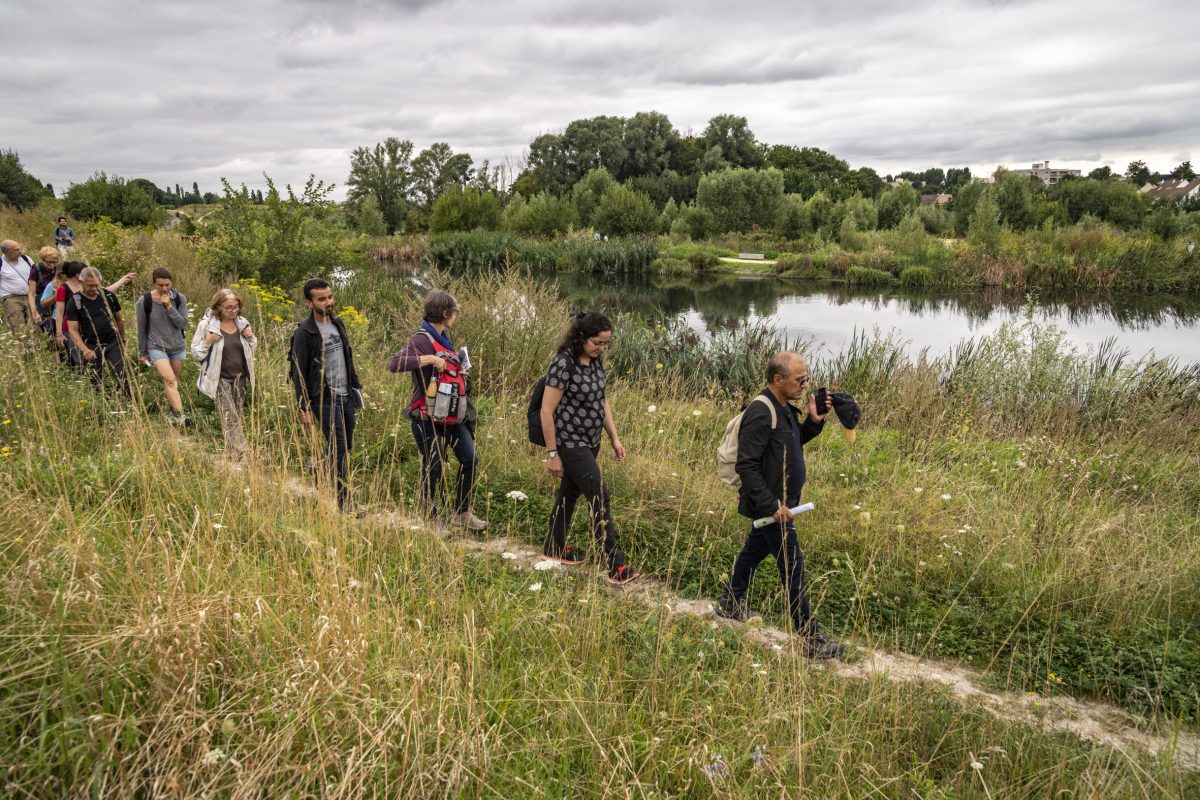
column 433, row 360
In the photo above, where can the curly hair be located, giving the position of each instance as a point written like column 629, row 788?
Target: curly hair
column 584, row 326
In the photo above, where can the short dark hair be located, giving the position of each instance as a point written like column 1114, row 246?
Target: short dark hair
column 161, row 272
column 439, row 306
column 312, row 285
column 72, row 268
column 584, row 326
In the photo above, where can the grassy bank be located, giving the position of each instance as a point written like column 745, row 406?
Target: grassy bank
column 172, row 627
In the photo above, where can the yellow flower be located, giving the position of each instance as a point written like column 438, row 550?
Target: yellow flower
column 7, row 422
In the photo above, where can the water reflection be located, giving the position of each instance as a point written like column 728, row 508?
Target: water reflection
column 1164, row 324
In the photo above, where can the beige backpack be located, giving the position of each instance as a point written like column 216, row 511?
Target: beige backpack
column 727, row 451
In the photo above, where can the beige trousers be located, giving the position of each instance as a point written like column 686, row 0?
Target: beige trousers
column 231, row 396
column 16, row 314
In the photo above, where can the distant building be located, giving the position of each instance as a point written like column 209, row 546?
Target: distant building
column 1048, row 175
column 1175, row 190
column 936, row 199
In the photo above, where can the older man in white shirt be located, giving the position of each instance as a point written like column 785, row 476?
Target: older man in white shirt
column 20, row 306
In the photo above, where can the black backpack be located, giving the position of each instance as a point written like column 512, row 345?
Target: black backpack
column 535, row 405
column 148, row 304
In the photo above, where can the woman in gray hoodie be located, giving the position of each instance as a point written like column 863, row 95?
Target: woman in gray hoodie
column 162, row 315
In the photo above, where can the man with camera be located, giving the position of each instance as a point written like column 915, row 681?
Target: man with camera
column 770, row 464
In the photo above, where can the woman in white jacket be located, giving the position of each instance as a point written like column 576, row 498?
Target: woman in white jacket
column 224, row 344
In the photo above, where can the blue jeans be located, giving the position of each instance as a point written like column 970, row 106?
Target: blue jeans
column 337, row 423
column 433, row 441
column 778, row 541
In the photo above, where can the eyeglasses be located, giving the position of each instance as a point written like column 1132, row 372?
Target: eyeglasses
column 231, row 306
column 801, row 379
column 600, row 342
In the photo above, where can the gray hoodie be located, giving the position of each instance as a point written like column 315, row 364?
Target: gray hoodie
column 163, row 328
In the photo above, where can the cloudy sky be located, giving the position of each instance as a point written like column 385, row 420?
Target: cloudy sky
column 183, row 91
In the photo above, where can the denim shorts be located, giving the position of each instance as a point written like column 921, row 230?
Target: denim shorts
column 156, row 355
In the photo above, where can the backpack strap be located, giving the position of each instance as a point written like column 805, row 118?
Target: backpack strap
column 770, row 408
column 147, row 304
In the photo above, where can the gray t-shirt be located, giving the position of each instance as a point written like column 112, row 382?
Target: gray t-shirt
column 336, row 377
column 579, row 418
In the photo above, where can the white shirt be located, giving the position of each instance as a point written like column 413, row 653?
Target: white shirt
column 14, row 278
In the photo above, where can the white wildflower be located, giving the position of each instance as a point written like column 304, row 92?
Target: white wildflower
column 516, row 494
column 509, row 556
column 696, row 413
column 977, row 766
column 918, row 489
column 535, row 587
column 218, row 526
column 945, row 497
column 545, row 564
column 213, row 757
column 651, row 408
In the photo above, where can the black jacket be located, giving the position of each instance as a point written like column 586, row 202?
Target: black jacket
column 307, row 359
column 762, row 455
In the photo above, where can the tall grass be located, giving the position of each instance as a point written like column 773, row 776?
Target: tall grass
column 171, row 627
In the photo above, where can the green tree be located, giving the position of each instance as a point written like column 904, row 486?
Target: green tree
column 694, row 222
column 1101, row 173
column 1138, row 173
column 624, row 212
column 895, row 204
column 741, row 198
column 385, row 173
column 668, row 216
column 436, row 169
column 956, row 176
column 1184, row 172
column 548, row 167
column 848, row 235
column 459, row 209
column 595, row 142
column 365, row 217
column 17, row 187
column 866, row 217
column 1165, row 221
column 866, row 182
column 121, row 201
column 808, row 170
column 1014, row 195
column 963, row 205
column 985, row 227
column 821, row 213
column 792, row 222
column 649, row 139
column 542, row 215
column 586, row 193
column 733, row 135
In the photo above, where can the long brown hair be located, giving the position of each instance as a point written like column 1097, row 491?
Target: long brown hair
column 584, row 326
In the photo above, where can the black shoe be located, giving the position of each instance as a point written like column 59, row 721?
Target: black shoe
column 569, row 556
column 819, row 648
column 738, row 610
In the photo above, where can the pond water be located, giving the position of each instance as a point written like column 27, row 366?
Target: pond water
column 1163, row 325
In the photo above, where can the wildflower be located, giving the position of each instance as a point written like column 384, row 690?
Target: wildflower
column 658, row 365
column 696, row 413
column 218, row 526
column 857, row 507
column 509, row 556
column 864, row 517
column 651, row 408
column 901, row 528
column 922, row 564
column 977, row 766
column 517, row 495
column 918, row 490
column 716, row 769
column 945, row 497
column 6, row 422
column 213, row 757
column 535, row 587
column 760, row 754
column 545, row 564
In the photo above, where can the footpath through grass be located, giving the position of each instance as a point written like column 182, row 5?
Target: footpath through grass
column 170, row 627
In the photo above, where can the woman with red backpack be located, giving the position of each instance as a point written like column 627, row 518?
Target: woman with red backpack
column 438, row 408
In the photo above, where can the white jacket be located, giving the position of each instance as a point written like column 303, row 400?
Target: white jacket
column 209, row 353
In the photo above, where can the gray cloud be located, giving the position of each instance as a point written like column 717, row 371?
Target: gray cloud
column 182, row 92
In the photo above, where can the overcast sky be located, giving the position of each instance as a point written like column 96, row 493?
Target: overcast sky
column 179, row 91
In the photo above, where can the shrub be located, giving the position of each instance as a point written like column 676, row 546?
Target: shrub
column 741, row 198
column 694, row 222
column 543, row 215
column 472, row 250
column 916, row 276
column 458, row 209
column 120, row 201
column 865, row 276
column 702, row 260
column 624, row 212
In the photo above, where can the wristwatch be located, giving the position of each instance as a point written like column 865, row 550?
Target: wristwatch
column 551, row 454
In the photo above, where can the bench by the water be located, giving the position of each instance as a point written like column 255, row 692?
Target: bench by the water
column 752, row 256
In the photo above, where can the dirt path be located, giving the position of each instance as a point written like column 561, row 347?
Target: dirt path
column 1089, row 720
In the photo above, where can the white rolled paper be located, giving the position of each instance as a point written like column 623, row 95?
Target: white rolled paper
column 797, row 511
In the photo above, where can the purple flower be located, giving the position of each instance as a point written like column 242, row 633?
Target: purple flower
column 760, row 754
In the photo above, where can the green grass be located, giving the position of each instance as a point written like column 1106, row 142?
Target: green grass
column 169, row 627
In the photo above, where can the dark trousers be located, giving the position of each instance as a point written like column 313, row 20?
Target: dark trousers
column 581, row 476
column 434, row 442
column 778, row 541
column 337, row 423
column 110, row 358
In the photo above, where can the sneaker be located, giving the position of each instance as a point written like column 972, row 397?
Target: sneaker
column 570, row 556
column 469, row 521
column 623, row 574
column 737, row 610
column 819, row 648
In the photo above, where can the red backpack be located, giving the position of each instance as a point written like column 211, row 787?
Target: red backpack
column 445, row 399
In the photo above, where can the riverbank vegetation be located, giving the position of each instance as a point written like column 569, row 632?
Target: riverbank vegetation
column 174, row 626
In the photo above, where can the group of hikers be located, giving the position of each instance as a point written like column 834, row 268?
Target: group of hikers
column 570, row 417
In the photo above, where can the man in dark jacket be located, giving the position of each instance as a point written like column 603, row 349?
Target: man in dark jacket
column 322, row 370
column 770, row 463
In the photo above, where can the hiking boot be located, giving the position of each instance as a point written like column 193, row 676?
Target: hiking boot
column 623, row 574
column 819, row 648
column 734, row 609
column 469, row 521
column 178, row 419
column 569, row 556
